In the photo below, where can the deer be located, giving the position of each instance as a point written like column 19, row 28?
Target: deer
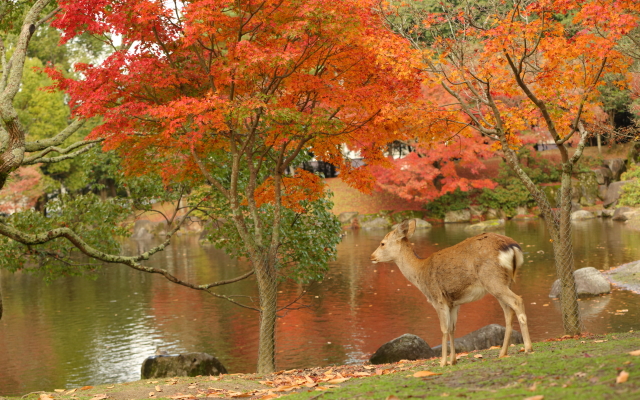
column 460, row 274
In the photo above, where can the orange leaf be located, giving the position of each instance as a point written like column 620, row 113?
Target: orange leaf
column 421, row 374
column 622, row 377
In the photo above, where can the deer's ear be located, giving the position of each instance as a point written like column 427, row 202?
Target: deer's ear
column 406, row 228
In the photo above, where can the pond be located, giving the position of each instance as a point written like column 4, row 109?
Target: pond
column 76, row 332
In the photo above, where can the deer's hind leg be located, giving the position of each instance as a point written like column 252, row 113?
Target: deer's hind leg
column 498, row 286
column 508, row 319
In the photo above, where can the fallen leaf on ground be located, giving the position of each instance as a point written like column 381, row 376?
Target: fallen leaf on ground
column 421, row 374
column 71, row 391
column 152, row 394
column 339, row 380
column 477, row 355
column 392, row 397
column 635, row 353
column 533, row 387
column 622, row 377
column 269, row 396
column 59, row 390
column 45, row 397
column 158, row 388
column 99, row 397
column 86, row 387
column 494, row 347
column 538, row 397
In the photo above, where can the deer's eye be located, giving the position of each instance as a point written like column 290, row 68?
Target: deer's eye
column 381, row 244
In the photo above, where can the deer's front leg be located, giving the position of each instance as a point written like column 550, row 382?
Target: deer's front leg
column 444, row 316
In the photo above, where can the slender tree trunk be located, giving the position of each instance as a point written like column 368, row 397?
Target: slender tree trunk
column 268, row 292
column 1, row 307
column 563, row 254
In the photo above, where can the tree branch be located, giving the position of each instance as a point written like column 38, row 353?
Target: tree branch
column 66, row 153
column 57, row 140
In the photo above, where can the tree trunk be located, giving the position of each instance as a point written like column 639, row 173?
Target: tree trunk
column 1, row 309
column 268, row 292
column 563, row 255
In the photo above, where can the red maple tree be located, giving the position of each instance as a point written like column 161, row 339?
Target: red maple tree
column 233, row 93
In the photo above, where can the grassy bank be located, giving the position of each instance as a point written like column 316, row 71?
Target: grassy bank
column 574, row 368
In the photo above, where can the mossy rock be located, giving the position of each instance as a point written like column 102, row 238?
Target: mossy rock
column 408, row 214
column 588, row 188
column 552, row 192
column 374, row 221
column 189, row 364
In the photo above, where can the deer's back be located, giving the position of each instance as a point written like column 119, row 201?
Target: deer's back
column 453, row 273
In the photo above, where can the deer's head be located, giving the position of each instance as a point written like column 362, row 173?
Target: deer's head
column 392, row 243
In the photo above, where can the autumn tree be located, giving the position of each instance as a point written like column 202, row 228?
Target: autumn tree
column 235, row 95
column 516, row 68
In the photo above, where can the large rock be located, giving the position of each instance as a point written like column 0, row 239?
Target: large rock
column 190, row 364
column 420, row 224
column 483, row 338
column 620, row 214
column 485, row 226
column 626, row 276
column 346, row 218
column 370, row 222
column 589, row 282
column 613, row 193
column 407, row 214
column 405, row 347
column 494, row 214
column 604, row 176
column 588, row 188
column 457, row 216
column 617, row 167
column 582, row 215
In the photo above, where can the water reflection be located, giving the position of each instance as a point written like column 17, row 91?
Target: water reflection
column 76, row 332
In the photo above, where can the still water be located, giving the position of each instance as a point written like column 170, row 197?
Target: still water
column 76, row 331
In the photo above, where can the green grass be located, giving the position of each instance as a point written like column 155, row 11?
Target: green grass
column 566, row 369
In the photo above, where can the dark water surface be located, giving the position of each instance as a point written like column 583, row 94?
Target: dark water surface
column 77, row 332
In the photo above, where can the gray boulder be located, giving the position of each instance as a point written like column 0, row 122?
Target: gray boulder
column 613, row 193
column 588, row 188
column 485, row 226
column 347, row 217
column 457, row 216
column 604, row 176
column 617, row 167
column 620, row 214
column 374, row 222
column 582, row 215
column 189, row 364
column 405, row 347
column 483, row 338
column 494, row 214
column 420, row 224
column 589, row 282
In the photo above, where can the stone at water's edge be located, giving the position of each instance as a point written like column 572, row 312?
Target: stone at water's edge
column 457, row 216
column 420, row 224
column 483, row 338
column 613, row 193
column 626, row 276
column 347, row 217
column 620, row 214
column 485, row 226
column 582, row 215
column 189, row 364
column 405, row 347
column 589, row 282
column 373, row 222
